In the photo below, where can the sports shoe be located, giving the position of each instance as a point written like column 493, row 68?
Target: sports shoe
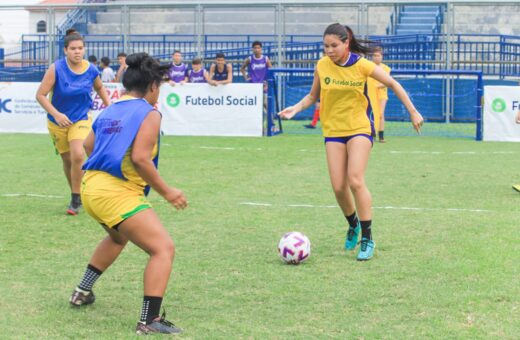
column 516, row 187
column 158, row 325
column 73, row 210
column 352, row 237
column 382, row 140
column 366, row 251
column 309, row 126
column 80, row 298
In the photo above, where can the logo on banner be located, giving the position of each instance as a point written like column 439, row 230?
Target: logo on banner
column 173, row 100
column 498, row 105
column 3, row 105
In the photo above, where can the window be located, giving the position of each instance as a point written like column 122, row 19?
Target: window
column 41, row 26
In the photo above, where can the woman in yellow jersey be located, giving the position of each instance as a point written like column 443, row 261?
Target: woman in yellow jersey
column 340, row 83
column 70, row 81
column 123, row 150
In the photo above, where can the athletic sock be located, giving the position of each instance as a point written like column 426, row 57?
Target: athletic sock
column 89, row 278
column 366, row 229
column 76, row 200
column 381, row 135
column 352, row 220
column 315, row 117
column 151, row 308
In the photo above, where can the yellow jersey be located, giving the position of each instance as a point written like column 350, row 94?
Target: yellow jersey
column 344, row 105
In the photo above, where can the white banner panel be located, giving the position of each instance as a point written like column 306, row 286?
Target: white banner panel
column 501, row 104
column 21, row 112
column 189, row 109
column 205, row 110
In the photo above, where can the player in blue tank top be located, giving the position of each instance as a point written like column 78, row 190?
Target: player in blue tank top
column 220, row 72
column 122, row 147
column 70, row 81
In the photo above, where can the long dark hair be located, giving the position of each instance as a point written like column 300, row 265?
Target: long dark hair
column 344, row 33
column 142, row 72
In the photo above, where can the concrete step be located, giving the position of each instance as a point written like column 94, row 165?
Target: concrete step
column 415, row 20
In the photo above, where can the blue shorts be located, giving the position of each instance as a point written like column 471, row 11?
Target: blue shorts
column 344, row 140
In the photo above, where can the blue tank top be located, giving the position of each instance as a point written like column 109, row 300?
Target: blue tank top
column 219, row 76
column 257, row 69
column 71, row 94
column 115, row 130
column 177, row 73
column 196, row 77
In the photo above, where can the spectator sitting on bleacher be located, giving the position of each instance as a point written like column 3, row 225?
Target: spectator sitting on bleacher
column 121, row 59
column 220, row 72
column 107, row 74
column 197, row 73
column 177, row 71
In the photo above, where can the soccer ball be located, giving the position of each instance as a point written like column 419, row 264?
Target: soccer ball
column 294, row 247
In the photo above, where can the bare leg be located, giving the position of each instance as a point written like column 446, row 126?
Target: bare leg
column 108, row 249
column 65, row 157
column 146, row 231
column 337, row 163
column 77, row 157
column 382, row 104
column 358, row 150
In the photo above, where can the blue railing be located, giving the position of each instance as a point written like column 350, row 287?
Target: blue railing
column 496, row 55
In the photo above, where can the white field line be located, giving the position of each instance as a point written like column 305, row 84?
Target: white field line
column 452, row 152
column 386, row 207
column 31, row 195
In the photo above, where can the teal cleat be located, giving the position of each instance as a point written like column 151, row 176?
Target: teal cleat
column 366, row 251
column 352, row 237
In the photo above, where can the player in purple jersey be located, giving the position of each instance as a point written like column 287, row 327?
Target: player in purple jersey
column 197, row 73
column 177, row 71
column 257, row 66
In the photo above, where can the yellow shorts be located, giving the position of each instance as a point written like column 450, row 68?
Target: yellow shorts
column 61, row 136
column 110, row 200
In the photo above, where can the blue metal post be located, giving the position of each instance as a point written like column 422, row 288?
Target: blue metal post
column 2, row 55
column 480, row 92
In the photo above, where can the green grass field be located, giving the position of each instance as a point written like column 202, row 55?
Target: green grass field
column 445, row 221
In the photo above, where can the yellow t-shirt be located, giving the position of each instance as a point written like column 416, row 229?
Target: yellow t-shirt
column 343, row 97
column 383, row 92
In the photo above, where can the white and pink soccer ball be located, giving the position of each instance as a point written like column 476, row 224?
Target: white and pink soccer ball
column 294, row 247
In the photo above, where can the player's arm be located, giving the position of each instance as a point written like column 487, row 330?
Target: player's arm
column 88, row 143
column 307, row 101
column 212, row 71
column 208, row 79
column 243, row 69
column 269, row 64
column 384, row 78
column 229, row 79
column 101, row 91
column 141, row 157
column 46, row 86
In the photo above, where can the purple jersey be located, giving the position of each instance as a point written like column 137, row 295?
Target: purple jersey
column 196, row 77
column 257, row 69
column 177, row 73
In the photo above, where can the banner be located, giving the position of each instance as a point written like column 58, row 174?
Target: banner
column 189, row 109
column 21, row 112
column 501, row 104
column 205, row 110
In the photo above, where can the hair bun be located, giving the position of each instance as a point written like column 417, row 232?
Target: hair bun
column 135, row 60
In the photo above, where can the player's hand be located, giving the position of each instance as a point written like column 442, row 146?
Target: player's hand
column 172, row 83
column 518, row 117
column 288, row 112
column 176, row 198
column 417, row 121
column 62, row 120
